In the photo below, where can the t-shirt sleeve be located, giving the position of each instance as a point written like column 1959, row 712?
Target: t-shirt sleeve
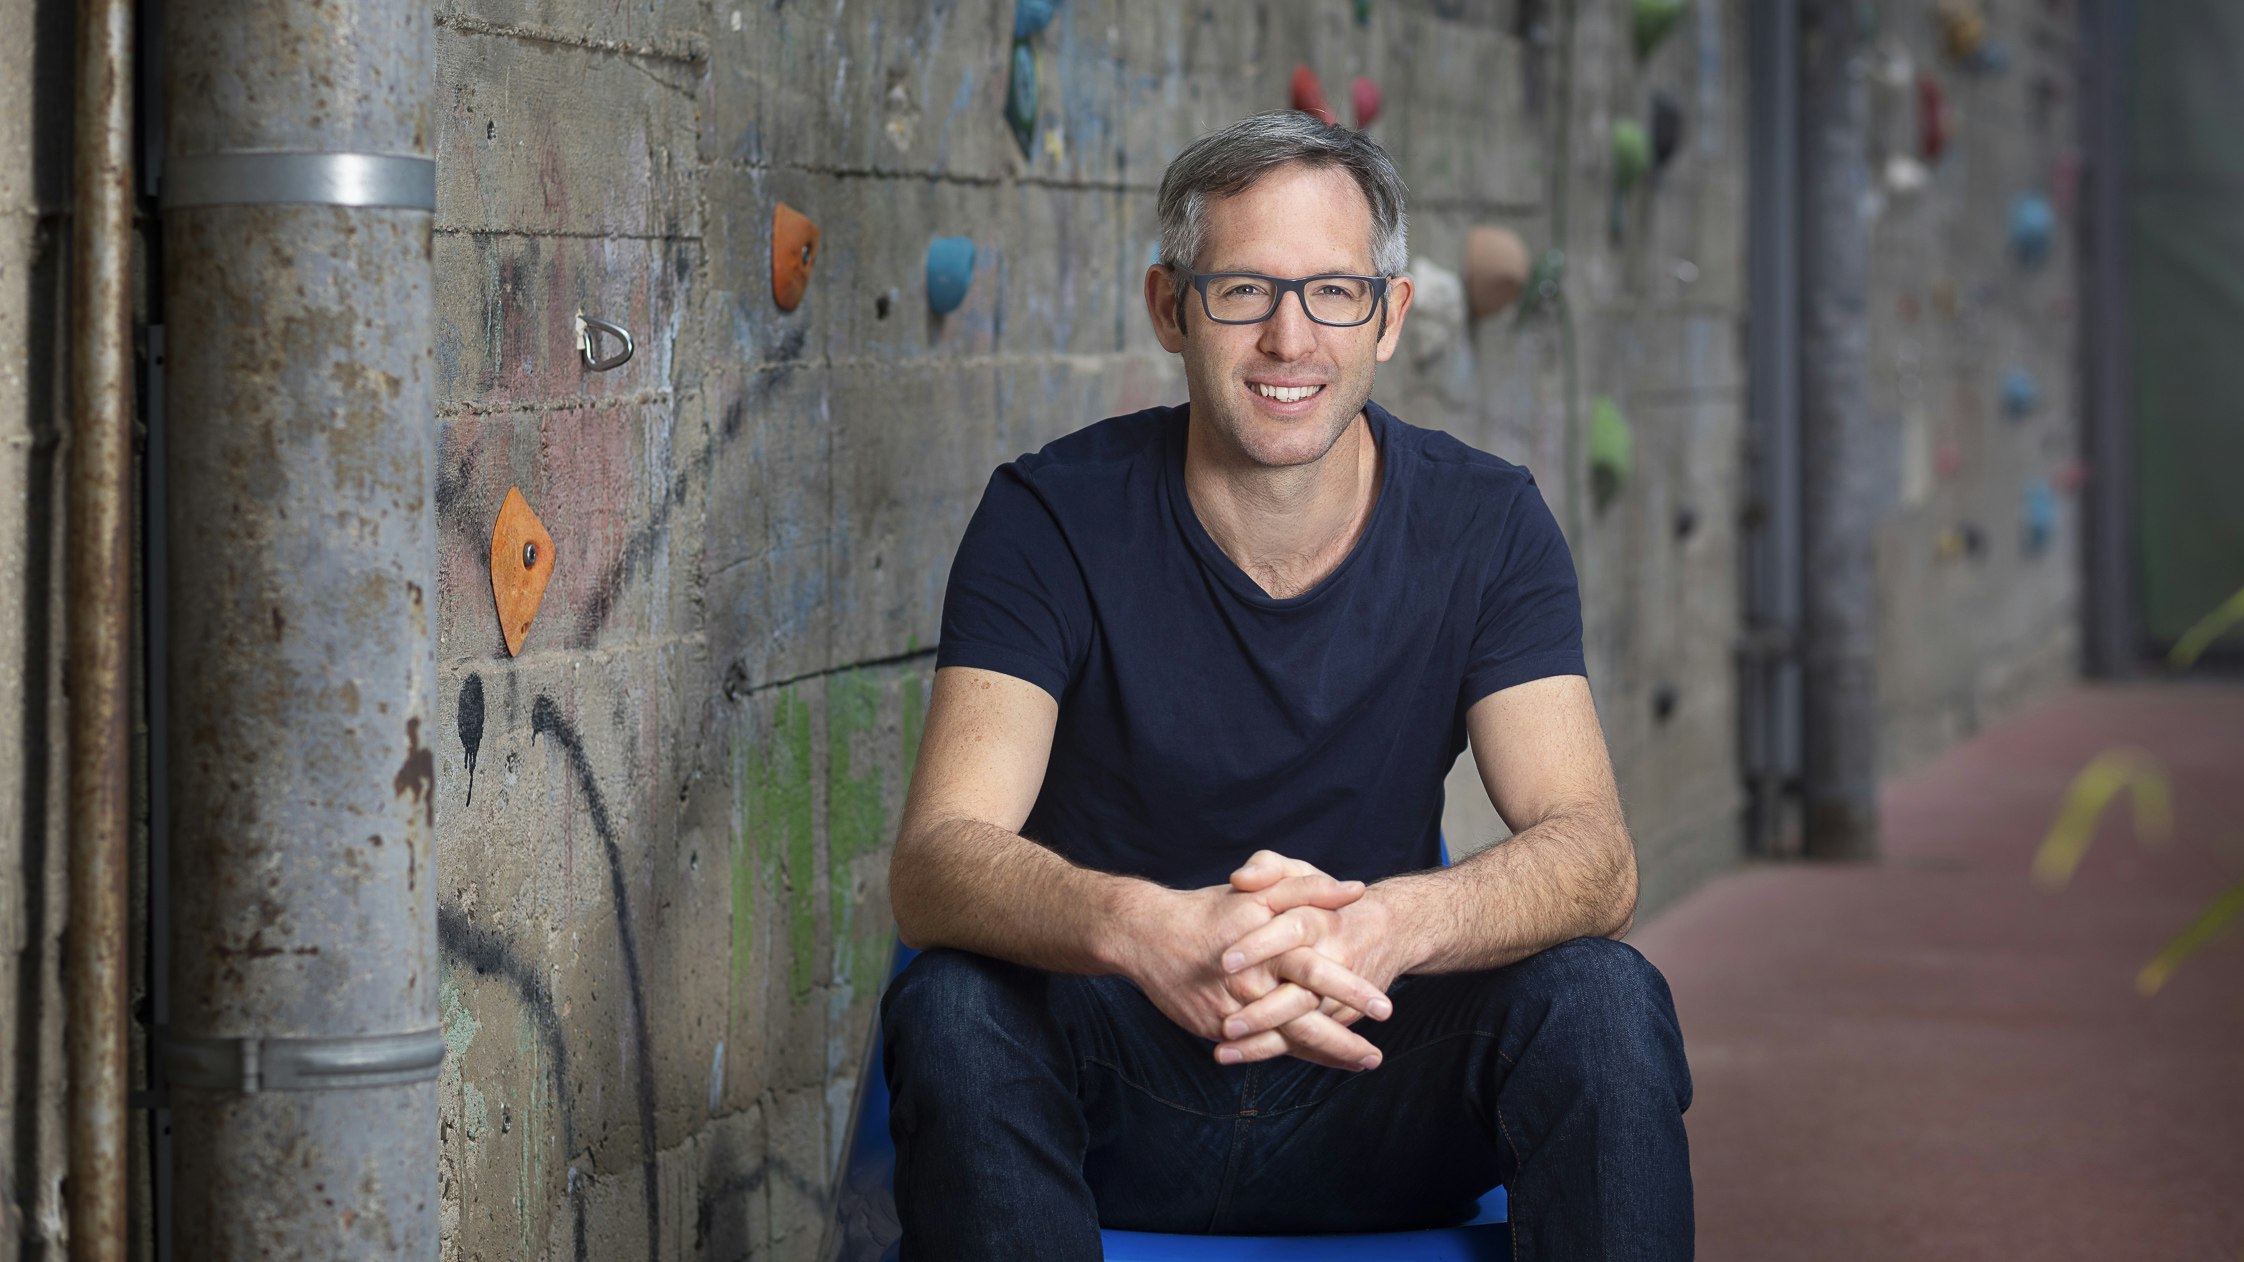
column 1530, row 623
column 1016, row 603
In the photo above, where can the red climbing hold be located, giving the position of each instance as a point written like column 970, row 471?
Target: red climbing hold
column 1932, row 118
column 1368, row 101
column 1309, row 95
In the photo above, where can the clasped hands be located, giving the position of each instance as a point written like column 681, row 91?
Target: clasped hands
column 1280, row 962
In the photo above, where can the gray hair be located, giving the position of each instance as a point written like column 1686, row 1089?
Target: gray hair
column 1225, row 162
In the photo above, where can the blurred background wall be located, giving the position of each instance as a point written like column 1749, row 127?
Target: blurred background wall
column 663, row 823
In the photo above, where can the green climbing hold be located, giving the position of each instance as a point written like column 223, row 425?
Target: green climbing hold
column 1651, row 21
column 1363, row 12
column 1020, row 97
column 1611, row 448
column 1632, row 153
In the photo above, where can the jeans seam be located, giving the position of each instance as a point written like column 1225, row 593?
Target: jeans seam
column 1227, row 1182
column 1343, row 1084
column 1511, row 1219
column 1148, row 1092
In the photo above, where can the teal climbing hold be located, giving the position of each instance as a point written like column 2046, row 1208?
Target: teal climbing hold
column 1363, row 12
column 1020, row 97
column 2032, row 226
column 1031, row 16
column 2040, row 515
column 2020, row 396
column 950, row 269
column 1545, row 283
column 1650, row 22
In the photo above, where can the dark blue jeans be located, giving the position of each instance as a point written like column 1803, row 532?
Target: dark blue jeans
column 1030, row 1108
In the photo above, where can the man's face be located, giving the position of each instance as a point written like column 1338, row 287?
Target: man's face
column 1296, row 221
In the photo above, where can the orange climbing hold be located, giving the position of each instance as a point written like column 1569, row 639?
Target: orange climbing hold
column 521, row 565
column 1496, row 268
column 794, row 247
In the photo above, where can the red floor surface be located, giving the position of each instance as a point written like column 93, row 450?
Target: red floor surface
column 1931, row 1057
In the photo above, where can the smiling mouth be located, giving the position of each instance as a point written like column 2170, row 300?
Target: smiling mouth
column 1285, row 394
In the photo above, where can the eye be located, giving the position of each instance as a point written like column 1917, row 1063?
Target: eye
column 1240, row 289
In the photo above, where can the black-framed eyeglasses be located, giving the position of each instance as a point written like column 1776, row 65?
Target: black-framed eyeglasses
column 1337, row 299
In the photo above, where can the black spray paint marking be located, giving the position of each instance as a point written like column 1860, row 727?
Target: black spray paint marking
column 471, row 725
column 490, row 956
column 546, row 718
column 639, row 550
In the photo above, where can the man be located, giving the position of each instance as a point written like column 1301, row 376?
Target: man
column 1175, row 827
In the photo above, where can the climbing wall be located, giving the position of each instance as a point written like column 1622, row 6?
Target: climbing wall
column 1973, row 341
column 864, row 253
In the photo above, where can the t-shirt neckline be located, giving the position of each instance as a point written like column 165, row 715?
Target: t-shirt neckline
column 1219, row 562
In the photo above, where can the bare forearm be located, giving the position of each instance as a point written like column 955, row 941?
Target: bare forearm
column 1571, row 876
column 974, row 886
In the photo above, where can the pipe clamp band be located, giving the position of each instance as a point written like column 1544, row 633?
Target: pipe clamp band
column 315, row 179
column 251, row 1065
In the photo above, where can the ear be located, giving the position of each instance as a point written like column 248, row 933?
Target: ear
column 1398, row 305
column 1161, row 307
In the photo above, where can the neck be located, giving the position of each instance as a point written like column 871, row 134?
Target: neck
column 1287, row 528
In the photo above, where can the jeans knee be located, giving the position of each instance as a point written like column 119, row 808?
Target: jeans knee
column 944, row 991
column 950, row 1011
column 1613, row 1008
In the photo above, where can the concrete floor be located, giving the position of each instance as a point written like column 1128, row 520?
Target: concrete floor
column 1931, row 1057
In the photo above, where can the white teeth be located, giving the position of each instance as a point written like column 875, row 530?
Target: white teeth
column 1287, row 394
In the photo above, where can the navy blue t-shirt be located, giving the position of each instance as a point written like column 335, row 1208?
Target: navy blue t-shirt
column 1201, row 720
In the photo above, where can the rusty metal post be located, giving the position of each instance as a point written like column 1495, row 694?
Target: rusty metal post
column 100, row 631
column 300, row 427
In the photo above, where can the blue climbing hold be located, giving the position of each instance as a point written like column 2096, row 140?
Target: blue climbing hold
column 1031, row 16
column 1020, row 96
column 1990, row 58
column 2032, row 227
column 2020, row 396
column 2040, row 516
column 950, row 269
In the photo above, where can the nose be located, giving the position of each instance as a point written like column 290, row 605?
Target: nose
column 1289, row 333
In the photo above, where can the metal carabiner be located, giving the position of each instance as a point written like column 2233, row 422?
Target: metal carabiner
column 586, row 327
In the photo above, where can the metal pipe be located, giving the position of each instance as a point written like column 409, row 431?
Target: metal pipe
column 1768, row 653
column 2110, row 612
column 300, row 434
column 1842, row 485
column 100, row 631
